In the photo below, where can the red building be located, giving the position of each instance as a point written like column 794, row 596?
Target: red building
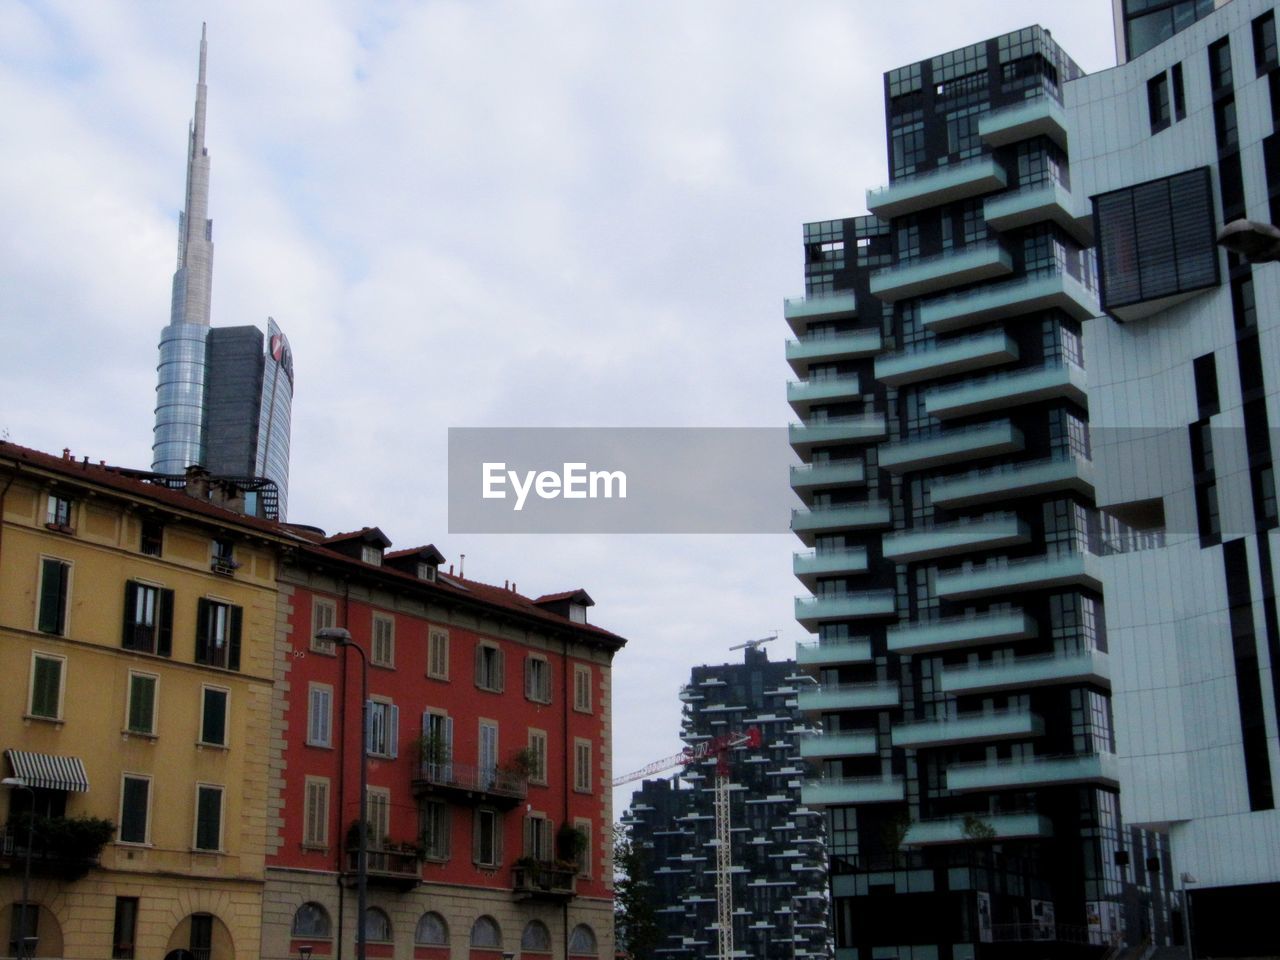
column 489, row 806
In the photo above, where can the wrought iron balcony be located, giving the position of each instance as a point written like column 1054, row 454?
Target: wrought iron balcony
column 544, row 880
column 470, row 784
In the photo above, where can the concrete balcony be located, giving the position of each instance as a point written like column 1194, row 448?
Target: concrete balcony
column 806, row 477
column 968, row 728
column 1029, row 478
column 1007, row 826
column 1048, row 202
column 918, row 278
column 850, row 696
column 1033, row 773
column 865, row 515
column 1041, row 117
column 810, row 611
column 965, row 536
column 801, row 393
column 1083, row 666
column 827, row 746
column 833, row 653
column 830, row 347
column 946, row 357
column 1033, row 294
column 1001, row 391
column 809, row 566
column 839, row 792
column 952, row 633
column 952, row 446
column 946, row 184
column 1075, row 569
column 802, row 311
column 864, row 428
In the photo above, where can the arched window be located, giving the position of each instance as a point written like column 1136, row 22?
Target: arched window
column 486, row 934
column 377, row 925
column 536, row 937
column 582, row 941
column 312, row 920
column 432, row 931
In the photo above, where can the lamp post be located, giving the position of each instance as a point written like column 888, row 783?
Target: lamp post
column 304, row 951
column 342, row 637
column 1257, row 242
column 17, row 783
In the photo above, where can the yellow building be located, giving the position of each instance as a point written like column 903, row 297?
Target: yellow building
column 136, row 632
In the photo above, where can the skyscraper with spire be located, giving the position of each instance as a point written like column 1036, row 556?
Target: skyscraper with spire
column 223, row 397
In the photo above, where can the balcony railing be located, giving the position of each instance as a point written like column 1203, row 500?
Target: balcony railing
column 1079, row 666
column 399, row 869
column 831, row 652
column 940, row 358
column 1000, row 391
column 1006, row 724
column 970, row 534
column 944, row 184
column 1069, row 471
column 1032, row 772
column 541, row 880
column 800, row 311
column 464, row 781
column 954, row 268
column 828, row 791
column 999, row 575
column 923, row 636
column 949, row 446
column 1031, row 294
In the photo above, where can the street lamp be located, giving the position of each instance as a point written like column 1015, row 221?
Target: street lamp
column 1255, row 241
column 304, row 951
column 17, row 783
column 342, row 637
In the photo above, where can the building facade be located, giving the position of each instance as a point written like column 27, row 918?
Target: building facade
column 778, row 862
column 969, row 773
column 1184, row 374
column 223, row 401
column 489, row 814
column 137, row 627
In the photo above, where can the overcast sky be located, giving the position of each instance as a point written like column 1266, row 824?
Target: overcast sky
column 539, row 213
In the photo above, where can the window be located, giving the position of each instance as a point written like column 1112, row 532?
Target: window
column 371, row 554
column 1155, row 240
column 426, row 571
column 1226, row 127
column 55, row 582
column 312, row 920
column 384, row 729
column 1179, row 93
column 201, row 940
column 1206, row 380
column 141, row 716
column 379, row 809
column 489, row 667
column 583, row 826
column 537, row 837
column 152, row 541
column 135, row 802
column 582, row 941
column 58, row 513
column 537, row 679
column 24, row 921
column 437, row 746
column 488, row 753
column 315, row 814
column 218, row 634
column 1264, row 42
column 582, row 688
column 223, row 559
column 431, row 931
column 377, row 925
column 486, row 849
column 47, row 676
column 383, row 652
column 213, row 715
column 438, row 655
column 124, row 928
column 148, row 619
column 319, row 715
column 208, row 817
column 486, row 934
column 435, row 826
column 536, row 938
column 1220, row 65
column 538, row 756
column 1158, row 106
column 323, row 615
column 582, row 765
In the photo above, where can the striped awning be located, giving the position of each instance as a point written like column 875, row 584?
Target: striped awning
column 43, row 770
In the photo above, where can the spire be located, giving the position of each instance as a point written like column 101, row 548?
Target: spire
column 193, row 280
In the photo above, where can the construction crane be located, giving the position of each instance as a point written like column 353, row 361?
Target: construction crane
column 717, row 747
column 755, row 644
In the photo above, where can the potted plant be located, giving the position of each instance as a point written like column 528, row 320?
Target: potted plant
column 571, row 844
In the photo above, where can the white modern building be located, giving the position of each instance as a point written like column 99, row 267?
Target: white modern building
column 1184, row 381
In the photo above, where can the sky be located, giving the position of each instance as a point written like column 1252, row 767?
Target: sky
column 463, row 213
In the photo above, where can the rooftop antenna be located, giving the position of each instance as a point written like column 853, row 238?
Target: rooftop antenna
column 462, row 559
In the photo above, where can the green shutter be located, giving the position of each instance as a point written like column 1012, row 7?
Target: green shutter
column 208, row 818
column 129, row 639
column 53, row 596
column 164, row 624
column 46, row 684
column 202, row 630
column 142, row 704
column 133, row 810
column 233, row 652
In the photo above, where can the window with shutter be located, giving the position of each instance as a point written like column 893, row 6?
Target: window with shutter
column 319, row 715
column 438, row 655
column 383, row 646
column 537, row 679
column 135, row 801
column 489, row 668
column 55, row 579
column 208, row 817
column 148, row 618
column 582, row 688
column 487, row 838
column 218, row 633
column 213, row 716
column 315, row 829
column 45, row 696
column 142, row 703
column 384, row 733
